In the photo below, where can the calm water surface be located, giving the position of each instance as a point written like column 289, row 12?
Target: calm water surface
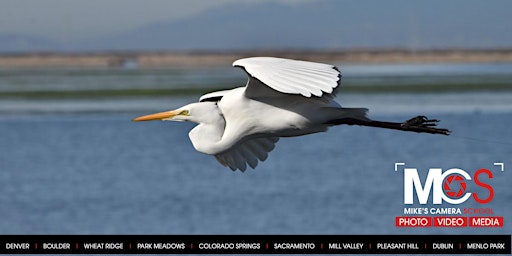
column 101, row 173
column 82, row 167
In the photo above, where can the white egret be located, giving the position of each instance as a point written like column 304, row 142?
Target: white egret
column 282, row 98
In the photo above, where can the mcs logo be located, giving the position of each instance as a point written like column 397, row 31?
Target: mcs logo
column 450, row 186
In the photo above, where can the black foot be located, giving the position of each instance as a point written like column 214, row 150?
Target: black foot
column 423, row 124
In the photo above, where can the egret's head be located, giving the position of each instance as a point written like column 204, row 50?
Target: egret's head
column 195, row 112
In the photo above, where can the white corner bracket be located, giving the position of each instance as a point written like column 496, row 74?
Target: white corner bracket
column 502, row 166
column 398, row 164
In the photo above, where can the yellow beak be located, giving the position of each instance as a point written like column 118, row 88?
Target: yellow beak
column 156, row 116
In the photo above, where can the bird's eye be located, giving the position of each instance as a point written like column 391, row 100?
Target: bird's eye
column 183, row 113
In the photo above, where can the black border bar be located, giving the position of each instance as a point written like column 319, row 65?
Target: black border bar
column 255, row 244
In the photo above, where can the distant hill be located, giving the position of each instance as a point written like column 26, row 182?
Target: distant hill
column 262, row 26
column 327, row 24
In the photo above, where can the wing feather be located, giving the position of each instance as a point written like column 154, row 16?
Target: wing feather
column 306, row 87
column 247, row 153
column 257, row 150
column 324, row 85
column 251, row 159
column 240, row 161
column 288, row 76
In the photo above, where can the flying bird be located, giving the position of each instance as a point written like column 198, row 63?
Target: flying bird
column 282, row 98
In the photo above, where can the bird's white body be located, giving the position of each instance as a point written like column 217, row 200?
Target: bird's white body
column 283, row 98
column 249, row 120
column 261, row 117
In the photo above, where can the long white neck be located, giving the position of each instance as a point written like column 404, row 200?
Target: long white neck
column 207, row 138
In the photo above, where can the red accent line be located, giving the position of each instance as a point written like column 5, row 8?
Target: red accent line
column 266, row 246
column 35, row 246
column 370, row 246
column 321, row 246
column 77, row 246
column 130, row 246
column 191, row 246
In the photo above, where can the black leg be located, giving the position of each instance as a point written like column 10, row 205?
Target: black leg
column 416, row 124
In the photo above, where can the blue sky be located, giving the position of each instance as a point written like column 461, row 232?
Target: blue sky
column 75, row 20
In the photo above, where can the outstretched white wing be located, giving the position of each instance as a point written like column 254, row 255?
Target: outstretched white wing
column 290, row 76
column 247, row 153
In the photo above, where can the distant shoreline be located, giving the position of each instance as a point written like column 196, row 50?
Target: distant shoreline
column 170, row 59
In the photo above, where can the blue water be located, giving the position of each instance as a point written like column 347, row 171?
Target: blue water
column 80, row 166
column 103, row 174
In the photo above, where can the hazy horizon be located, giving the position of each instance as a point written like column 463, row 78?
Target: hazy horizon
column 121, row 25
